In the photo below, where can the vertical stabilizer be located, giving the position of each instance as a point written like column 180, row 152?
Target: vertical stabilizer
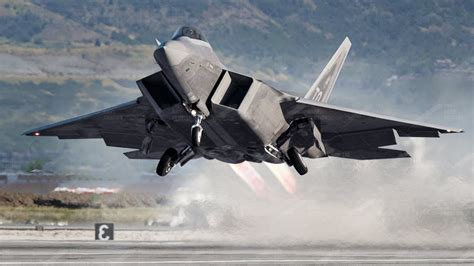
column 322, row 87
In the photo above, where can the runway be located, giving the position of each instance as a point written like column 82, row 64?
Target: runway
column 40, row 252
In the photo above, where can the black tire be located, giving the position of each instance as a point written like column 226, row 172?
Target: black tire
column 297, row 161
column 167, row 162
column 196, row 135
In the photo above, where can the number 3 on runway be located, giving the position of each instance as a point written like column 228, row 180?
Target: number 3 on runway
column 104, row 231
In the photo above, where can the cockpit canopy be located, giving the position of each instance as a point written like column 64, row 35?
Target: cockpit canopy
column 190, row 32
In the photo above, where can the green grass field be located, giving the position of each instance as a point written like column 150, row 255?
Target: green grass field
column 52, row 214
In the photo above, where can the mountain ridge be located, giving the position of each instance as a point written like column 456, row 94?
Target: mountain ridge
column 260, row 30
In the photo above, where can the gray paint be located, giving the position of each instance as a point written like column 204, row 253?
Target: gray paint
column 242, row 115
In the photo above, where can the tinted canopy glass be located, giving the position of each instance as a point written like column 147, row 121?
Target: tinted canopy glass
column 190, row 32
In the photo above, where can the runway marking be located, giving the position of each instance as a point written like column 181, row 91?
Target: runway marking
column 256, row 261
column 135, row 253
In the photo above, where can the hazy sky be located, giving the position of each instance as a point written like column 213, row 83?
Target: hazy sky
column 428, row 199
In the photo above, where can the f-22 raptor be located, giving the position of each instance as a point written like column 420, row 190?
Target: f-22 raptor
column 196, row 107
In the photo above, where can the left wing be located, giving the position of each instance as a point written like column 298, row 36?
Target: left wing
column 356, row 134
column 122, row 118
column 122, row 126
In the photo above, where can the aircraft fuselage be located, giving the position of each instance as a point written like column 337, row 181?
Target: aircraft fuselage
column 240, row 115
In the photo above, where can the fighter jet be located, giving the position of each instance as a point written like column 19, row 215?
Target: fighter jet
column 195, row 107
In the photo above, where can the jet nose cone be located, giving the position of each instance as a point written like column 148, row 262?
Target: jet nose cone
column 172, row 54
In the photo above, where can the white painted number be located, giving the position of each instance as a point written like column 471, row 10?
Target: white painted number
column 102, row 229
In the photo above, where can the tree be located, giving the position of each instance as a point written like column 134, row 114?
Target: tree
column 34, row 165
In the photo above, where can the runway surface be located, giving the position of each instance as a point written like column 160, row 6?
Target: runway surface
column 40, row 252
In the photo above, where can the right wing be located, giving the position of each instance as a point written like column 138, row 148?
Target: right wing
column 122, row 126
column 358, row 135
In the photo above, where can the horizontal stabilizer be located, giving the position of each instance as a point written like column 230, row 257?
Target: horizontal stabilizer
column 371, row 154
column 409, row 132
column 135, row 155
column 139, row 155
column 361, row 139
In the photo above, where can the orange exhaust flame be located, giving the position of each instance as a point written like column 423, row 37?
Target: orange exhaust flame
column 251, row 177
column 284, row 175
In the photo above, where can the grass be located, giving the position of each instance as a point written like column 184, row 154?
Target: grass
column 52, row 214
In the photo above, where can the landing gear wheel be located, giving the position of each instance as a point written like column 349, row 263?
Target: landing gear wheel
column 196, row 134
column 167, row 162
column 297, row 161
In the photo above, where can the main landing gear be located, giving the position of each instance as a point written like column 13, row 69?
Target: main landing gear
column 168, row 160
column 196, row 129
column 296, row 160
column 171, row 158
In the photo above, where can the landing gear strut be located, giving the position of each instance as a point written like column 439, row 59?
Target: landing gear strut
column 196, row 129
column 167, row 162
column 297, row 161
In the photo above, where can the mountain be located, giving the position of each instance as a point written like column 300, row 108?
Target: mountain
column 59, row 59
column 438, row 33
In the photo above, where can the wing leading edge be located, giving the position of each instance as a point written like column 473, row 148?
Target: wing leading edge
column 124, row 126
column 356, row 134
column 89, row 125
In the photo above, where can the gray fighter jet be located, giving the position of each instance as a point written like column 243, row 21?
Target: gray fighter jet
column 196, row 107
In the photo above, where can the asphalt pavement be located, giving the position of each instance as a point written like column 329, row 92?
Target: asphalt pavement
column 84, row 252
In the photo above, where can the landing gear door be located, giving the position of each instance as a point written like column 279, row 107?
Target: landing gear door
column 158, row 92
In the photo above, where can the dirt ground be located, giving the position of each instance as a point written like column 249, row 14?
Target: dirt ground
column 75, row 201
